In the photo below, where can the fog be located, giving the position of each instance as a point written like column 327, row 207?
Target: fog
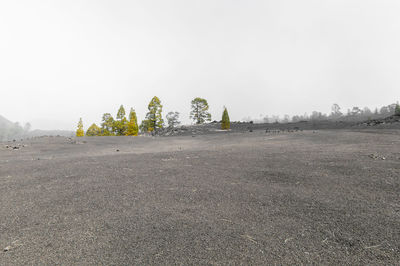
column 61, row 60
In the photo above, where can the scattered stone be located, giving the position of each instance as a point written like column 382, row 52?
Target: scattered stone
column 117, row 150
column 376, row 156
column 7, row 248
column 373, row 156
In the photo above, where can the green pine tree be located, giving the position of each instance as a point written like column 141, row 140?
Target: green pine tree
column 133, row 128
column 225, row 123
column 144, row 126
column 107, row 125
column 199, row 112
column 93, row 130
column 154, row 116
column 79, row 131
column 120, row 125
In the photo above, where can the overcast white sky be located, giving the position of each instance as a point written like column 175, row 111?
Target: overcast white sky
column 61, row 60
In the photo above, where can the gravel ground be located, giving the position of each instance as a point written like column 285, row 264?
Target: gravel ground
column 310, row 197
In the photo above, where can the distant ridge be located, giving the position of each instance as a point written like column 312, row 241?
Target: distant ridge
column 39, row 132
column 10, row 131
column 392, row 120
column 5, row 123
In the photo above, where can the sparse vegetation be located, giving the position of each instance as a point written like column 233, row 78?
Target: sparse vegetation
column 355, row 114
column 154, row 123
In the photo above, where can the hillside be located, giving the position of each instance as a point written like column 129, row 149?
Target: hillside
column 10, row 131
column 5, row 123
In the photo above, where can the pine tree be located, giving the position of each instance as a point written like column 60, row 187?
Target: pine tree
column 199, row 112
column 79, row 131
column 144, row 126
column 225, row 123
column 93, row 130
column 107, row 125
column 132, row 124
column 154, row 116
column 121, row 123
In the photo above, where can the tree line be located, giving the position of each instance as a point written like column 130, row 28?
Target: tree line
column 355, row 114
column 153, row 122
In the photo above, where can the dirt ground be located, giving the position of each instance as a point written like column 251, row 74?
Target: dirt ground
column 323, row 197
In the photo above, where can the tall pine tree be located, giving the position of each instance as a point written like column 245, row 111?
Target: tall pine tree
column 121, row 123
column 107, row 125
column 225, row 123
column 154, row 116
column 79, row 131
column 133, row 127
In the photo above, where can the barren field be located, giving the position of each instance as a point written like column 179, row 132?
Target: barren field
column 327, row 196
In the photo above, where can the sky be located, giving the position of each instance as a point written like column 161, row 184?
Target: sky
column 62, row 60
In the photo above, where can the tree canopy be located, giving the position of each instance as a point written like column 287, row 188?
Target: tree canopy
column 199, row 112
column 93, row 130
column 120, row 125
column 144, row 126
column 107, row 125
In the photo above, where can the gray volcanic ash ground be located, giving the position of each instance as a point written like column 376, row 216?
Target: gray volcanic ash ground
column 328, row 196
